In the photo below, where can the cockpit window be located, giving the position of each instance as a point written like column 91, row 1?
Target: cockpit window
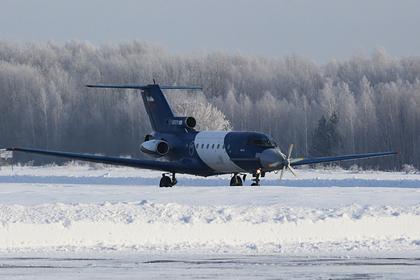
column 261, row 142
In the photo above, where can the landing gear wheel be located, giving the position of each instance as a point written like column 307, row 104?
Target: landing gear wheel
column 255, row 184
column 165, row 182
column 236, row 181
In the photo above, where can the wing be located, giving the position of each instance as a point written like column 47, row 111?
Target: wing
column 139, row 163
column 315, row 160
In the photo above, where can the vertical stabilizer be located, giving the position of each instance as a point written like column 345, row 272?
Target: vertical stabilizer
column 157, row 108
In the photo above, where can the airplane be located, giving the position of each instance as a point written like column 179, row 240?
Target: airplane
column 178, row 148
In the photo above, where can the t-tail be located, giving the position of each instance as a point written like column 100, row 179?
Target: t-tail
column 160, row 114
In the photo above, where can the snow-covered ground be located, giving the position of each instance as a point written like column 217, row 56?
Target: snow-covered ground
column 83, row 210
column 107, row 208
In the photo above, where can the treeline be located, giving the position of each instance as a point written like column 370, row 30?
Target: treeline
column 363, row 104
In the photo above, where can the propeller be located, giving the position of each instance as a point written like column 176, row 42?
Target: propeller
column 286, row 163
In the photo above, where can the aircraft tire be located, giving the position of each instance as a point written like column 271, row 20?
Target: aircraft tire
column 165, row 182
column 236, row 181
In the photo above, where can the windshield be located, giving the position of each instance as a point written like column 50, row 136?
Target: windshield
column 261, row 141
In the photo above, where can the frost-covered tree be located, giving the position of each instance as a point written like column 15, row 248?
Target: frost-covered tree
column 44, row 103
column 326, row 138
column 207, row 115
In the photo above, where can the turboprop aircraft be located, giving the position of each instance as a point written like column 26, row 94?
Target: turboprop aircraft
column 178, row 148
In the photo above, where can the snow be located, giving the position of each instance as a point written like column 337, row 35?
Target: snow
column 100, row 222
column 170, row 227
column 80, row 208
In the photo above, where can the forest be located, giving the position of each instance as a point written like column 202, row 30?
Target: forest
column 361, row 104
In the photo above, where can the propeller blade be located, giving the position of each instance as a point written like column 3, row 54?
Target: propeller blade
column 282, row 172
column 289, row 153
column 286, row 163
column 282, row 155
column 292, row 170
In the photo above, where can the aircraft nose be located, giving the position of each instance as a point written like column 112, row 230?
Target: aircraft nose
column 271, row 158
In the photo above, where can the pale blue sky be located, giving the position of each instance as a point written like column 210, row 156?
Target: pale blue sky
column 317, row 29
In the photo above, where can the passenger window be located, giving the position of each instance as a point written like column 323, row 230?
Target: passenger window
column 208, row 146
column 218, row 146
column 212, row 146
column 202, row 146
column 223, row 146
column 196, row 146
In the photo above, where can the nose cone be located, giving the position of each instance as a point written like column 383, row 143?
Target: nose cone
column 271, row 158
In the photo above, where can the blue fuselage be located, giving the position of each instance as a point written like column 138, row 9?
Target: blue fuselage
column 219, row 152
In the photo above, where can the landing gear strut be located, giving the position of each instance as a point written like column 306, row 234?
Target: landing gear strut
column 257, row 176
column 236, row 180
column 256, row 181
column 166, row 181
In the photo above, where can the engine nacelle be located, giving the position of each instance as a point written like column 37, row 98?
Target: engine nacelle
column 155, row 147
column 188, row 122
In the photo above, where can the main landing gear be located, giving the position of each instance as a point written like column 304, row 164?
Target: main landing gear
column 166, row 181
column 236, row 180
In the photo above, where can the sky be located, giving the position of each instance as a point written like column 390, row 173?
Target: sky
column 320, row 30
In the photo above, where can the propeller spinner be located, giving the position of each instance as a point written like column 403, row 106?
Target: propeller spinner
column 274, row 159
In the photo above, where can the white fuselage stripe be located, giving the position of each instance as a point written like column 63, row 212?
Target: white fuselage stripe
column 212, row 151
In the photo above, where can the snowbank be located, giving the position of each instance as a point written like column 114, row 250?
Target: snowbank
column 153, row 226
column 77, row 207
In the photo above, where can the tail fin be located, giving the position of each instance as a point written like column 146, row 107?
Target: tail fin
column 160, row 114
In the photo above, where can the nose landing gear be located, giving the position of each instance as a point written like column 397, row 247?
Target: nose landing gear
column 256, row 181
column 257, row 175
column 236, row 179
column 166, row 181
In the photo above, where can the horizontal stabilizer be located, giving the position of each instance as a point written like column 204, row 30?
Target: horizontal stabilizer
column 144, row 87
